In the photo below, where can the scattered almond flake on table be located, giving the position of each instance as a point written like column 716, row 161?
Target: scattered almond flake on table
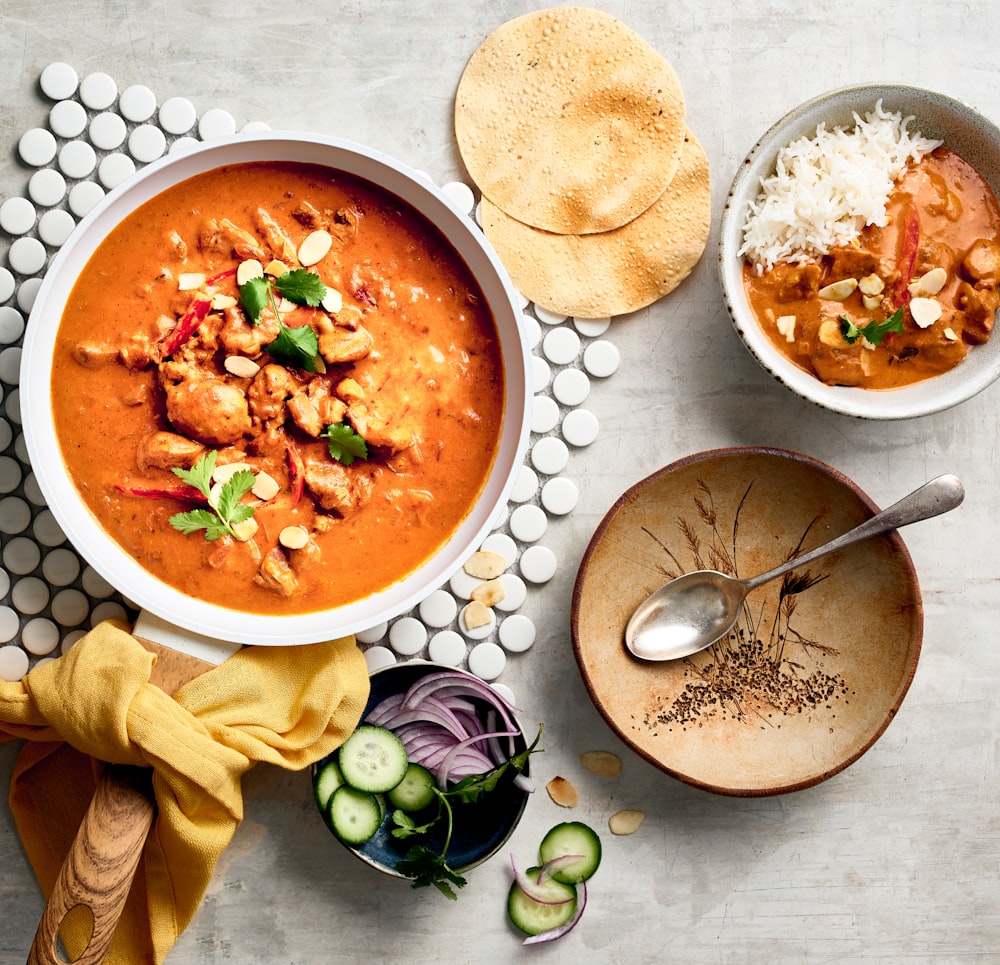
column 602, row 763
column 625, row 822
column 563, row 792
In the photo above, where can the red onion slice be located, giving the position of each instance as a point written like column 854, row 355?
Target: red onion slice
column 553, row 933
column 532, row 888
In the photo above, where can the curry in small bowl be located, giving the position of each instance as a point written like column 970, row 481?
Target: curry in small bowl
column 278, row 387
column 860, row 251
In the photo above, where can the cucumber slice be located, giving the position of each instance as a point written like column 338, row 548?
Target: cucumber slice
column 354, row 815
column 326, row 780
column 533, row 917
column 415, row 791
column 572, row 837
column 372, row 759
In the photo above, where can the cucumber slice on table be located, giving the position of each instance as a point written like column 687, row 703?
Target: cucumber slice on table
column 572, row 837
column 534, row 917
column 415, row 791
column 354, row 815
column 372, row 759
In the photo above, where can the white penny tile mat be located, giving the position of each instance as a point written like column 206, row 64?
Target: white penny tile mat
column 94, row 138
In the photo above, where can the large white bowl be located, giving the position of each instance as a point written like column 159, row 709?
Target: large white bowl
column 963, row 130
column 117, row 566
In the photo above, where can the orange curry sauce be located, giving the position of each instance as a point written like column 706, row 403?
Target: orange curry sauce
column 941, row 215
column 412, row 364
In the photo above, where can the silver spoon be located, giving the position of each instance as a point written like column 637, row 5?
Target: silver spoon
column 692, row 611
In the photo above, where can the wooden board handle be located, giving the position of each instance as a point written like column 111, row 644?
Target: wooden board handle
column 101, row 864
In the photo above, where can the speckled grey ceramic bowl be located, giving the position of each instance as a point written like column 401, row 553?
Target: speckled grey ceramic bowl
column 935, row 115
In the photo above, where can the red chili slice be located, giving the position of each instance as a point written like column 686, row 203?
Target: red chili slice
column 907, row 258
column 296, row 473
column 186, row 327
column 184, row 493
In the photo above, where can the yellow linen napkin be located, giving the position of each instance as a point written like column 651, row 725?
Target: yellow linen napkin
column 287, row 706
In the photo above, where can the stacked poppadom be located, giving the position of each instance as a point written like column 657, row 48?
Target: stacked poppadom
column 596, row 196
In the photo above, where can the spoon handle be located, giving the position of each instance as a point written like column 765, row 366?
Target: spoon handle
column 932, row 499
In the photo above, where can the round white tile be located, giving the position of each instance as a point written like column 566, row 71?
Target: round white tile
column 47, row 187
column 98, row 91
column 58, row 81
column 17, row 216
column 68, row 119
column 137, row 103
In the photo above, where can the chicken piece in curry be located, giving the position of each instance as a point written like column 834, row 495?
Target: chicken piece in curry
column 306, row 340
column 907, row 301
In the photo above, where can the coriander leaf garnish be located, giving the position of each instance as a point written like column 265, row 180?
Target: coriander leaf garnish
column 874, row 331
column 298, row 346
column 427, row 868
column 225, row 509
column 344, row 443
column 255, row 294
column 302, row 287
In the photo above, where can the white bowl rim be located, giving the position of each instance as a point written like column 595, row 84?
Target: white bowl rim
column 139, row 587
column 980, row 368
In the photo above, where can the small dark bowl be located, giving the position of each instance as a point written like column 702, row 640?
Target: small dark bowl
column 480, row 829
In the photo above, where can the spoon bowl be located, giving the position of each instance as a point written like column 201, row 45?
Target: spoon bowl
column 693, row 611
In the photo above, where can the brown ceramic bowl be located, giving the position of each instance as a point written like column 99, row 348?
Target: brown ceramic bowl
column 816, row 667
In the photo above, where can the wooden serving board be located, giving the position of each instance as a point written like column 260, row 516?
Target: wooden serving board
column 104, row 857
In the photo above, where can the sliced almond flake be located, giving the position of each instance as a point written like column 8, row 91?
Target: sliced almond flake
column 190, row 281
column 275, row 268
column 839, row 290
column 220, row 302
column 332, row 301
column 241, row 366
column 226, row 471
column 251, row 268
column 626, row 822
column 315, row 247
column 265, row 486
column 294, row 537
column 925, row 311
column 872, row 302
column 562, row 792
column 285, row 306
column 489, row 592
column 485, row 565
column 930, row 283
column 830, row 334
column 949, row 333
column 602, row 763
column 475, row 615
column 245, row 530
column 871, row 285
column 786, row 325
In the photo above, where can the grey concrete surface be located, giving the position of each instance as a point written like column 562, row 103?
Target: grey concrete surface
column 894, row 860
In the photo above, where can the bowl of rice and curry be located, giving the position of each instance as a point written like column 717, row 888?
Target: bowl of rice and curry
column 274, row 389
column 859, row 251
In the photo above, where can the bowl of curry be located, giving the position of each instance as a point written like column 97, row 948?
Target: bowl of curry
column 274, row 389
column 859, row 251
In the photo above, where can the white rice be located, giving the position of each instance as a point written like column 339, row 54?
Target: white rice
column 825, row 189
